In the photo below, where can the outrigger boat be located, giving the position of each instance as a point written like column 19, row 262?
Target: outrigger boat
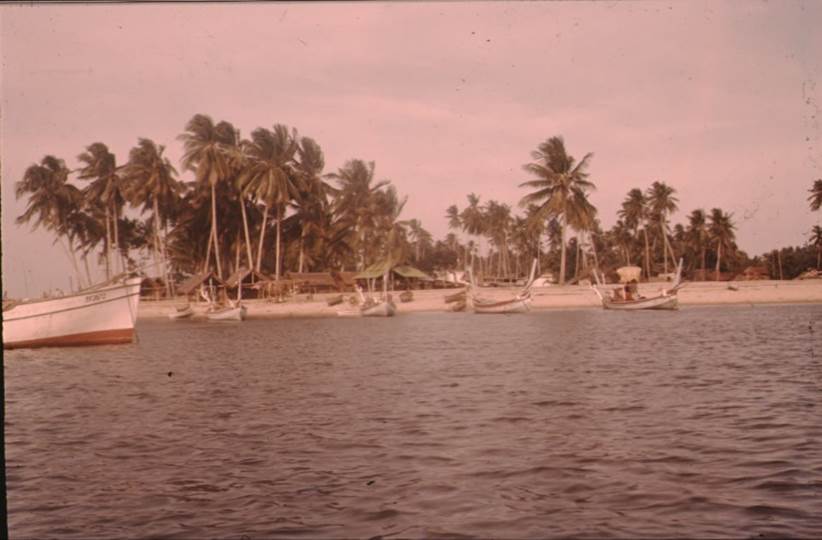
column 667, row 299
column 100, row 315
column 370, row 306
column 233, row 311
column 518, row 304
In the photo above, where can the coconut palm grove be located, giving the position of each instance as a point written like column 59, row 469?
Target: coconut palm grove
column 267, row 202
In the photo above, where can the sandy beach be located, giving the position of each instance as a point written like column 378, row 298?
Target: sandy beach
column 554, row 297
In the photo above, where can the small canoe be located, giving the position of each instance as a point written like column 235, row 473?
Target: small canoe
column 518, row 304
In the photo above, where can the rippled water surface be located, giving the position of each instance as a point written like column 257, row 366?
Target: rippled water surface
column 702, row 422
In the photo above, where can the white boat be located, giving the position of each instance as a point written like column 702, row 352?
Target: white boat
column 385, row 308
column 233, row 312
column 666, row 299
column 519, row 303
column 663, row 301
column 181, row 312
column 370, row 306
column 100, row 315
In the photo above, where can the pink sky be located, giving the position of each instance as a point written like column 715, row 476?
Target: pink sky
column 718, row 99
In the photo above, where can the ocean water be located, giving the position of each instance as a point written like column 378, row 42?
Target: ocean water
column 705, row 422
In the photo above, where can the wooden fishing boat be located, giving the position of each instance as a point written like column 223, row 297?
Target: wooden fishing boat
column 385, row 308
column 100, row 315
column 369, row 306
column 181, row 312
column 519, row 303
column 232, row 312
column 663, row 301
column 666, row 299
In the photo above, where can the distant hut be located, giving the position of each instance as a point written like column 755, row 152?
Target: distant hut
column 314, row 282
column 252, row 282
column 208, row 280
column 412, row 277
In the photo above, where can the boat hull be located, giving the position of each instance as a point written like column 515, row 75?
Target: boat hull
column 383, row 309
column 657, row 302
column 517, row 305
column 228, row 314
column 100, row 316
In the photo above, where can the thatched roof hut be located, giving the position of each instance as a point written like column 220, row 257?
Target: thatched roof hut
column 194, row 282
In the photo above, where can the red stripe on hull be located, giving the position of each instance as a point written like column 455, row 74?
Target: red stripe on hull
column 102, row 337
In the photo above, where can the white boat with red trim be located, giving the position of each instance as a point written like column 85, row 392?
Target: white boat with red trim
column 101, row 315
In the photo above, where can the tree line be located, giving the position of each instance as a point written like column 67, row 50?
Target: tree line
column 264, row 202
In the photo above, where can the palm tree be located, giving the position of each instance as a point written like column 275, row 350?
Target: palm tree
column 150, row 180
column 816, row 240
column 721, row 231
column 312, row 201
column 561, row 185
column 353, row 201
column 452, row 213
column 207, row 152
column 662, row 203
column 634, row 213
column 816, row 195
column 52, row 202
column 473, row 221
column 698, row 234
column 105, row 191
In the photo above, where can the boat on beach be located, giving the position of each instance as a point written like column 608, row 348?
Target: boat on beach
column 103, row 314
column 232, row 312
column 625, row 301
column 181, row 312
column 519, row 303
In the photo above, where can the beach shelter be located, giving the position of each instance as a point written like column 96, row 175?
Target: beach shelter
column 251, row 280
column 208, row 279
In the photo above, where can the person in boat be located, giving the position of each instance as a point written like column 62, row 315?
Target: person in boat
column 628, row 292
column 617, row 295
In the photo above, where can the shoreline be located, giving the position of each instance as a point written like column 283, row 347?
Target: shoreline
column 703, row 293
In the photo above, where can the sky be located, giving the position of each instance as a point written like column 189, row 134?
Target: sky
column 719, row 99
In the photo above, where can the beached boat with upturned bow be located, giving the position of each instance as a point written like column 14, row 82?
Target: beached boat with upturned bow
column 101, row 315
column 622, row 301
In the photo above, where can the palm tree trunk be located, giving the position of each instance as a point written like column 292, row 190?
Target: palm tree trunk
column 108, row 243
column 247, row 236
column 302, row 249
column 208, row 250
column 262, row 237
column 237, row 252
column 818, row 256
column 562, row 255
column 647, row 253
column 718, row 257
column 172, row 289
column 214, row 229
column 704, row 252
column 119, row 256
column 279, row 222
column 159, row 247
column 664, row 244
